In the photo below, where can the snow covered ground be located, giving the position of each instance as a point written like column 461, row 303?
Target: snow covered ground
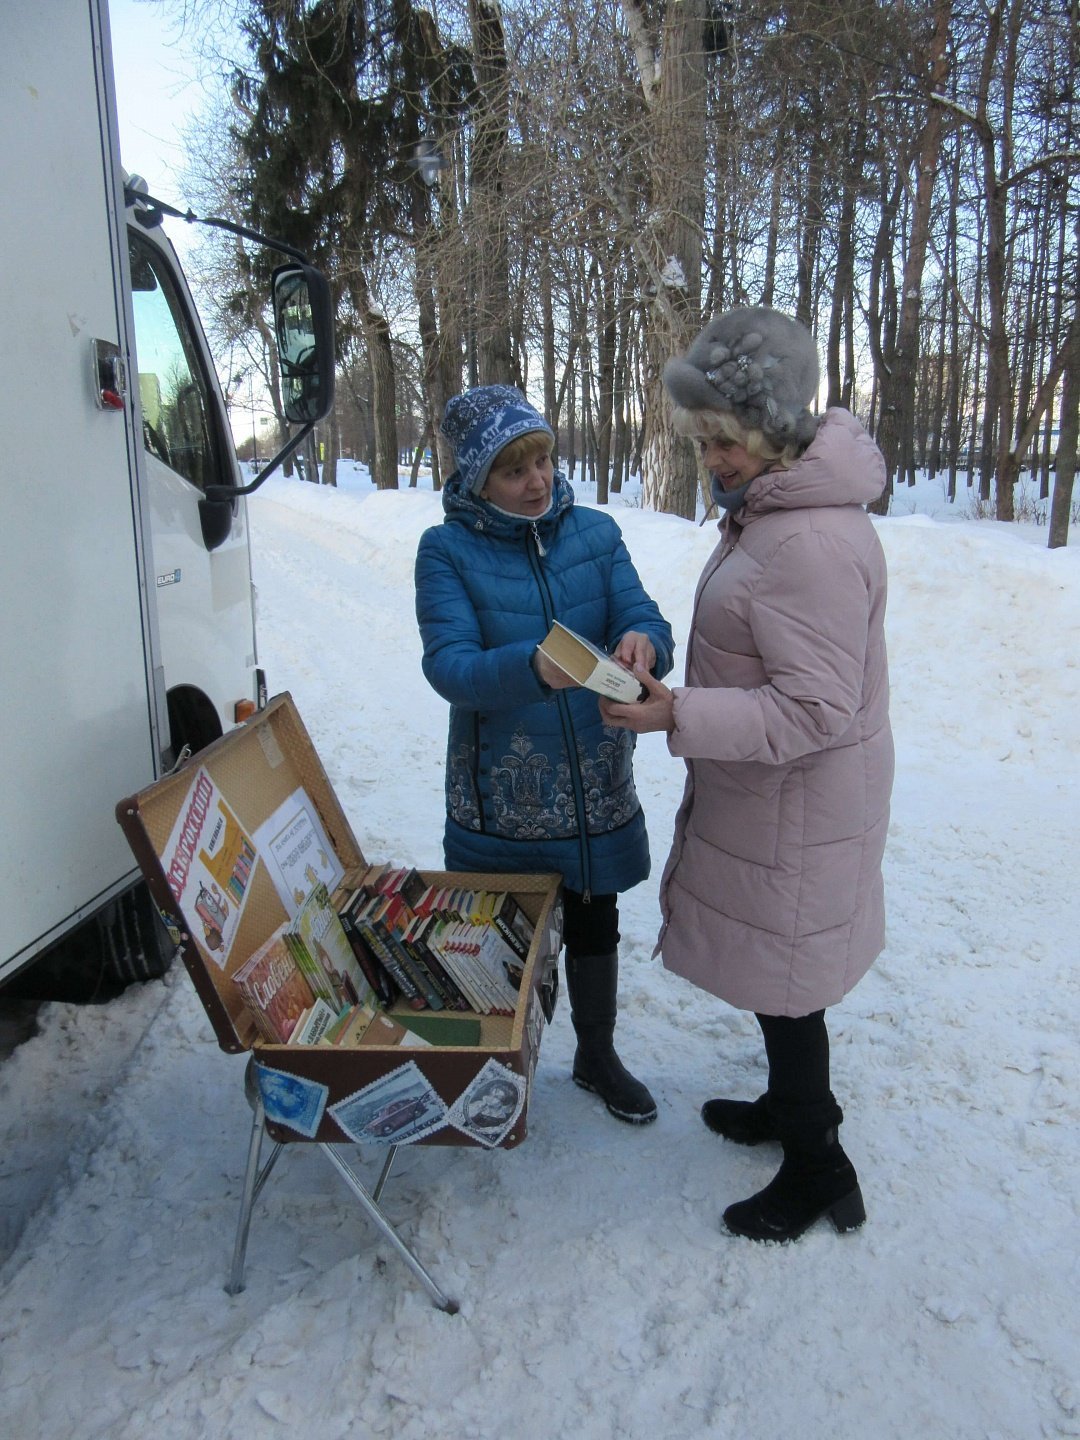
column 599, row 1295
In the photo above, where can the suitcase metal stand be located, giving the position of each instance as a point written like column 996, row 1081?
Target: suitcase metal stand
column 257, row 770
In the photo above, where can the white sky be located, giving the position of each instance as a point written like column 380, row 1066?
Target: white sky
column 157, row 91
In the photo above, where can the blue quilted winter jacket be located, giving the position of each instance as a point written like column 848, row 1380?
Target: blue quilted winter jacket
column 524, row 763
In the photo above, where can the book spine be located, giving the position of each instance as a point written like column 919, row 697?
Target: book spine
column 311, row 970
column 374, row 973
column 448, row 946
column 484, row 978
column 496, row 956
column 469, row 954
column 455, row 998
column 389, row 961
column 426, row 971
column 510, row 935
column 422, row 981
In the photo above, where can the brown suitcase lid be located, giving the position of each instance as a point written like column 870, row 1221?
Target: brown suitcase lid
column 257, row 768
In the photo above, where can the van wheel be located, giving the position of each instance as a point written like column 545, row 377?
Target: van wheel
column 193, row 722
column 122, row 943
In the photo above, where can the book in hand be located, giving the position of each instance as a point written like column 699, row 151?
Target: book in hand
column 588, row 665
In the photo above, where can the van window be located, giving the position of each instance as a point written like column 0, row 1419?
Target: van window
column 178, row 427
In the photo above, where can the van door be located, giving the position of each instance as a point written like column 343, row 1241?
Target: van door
column 202, row 564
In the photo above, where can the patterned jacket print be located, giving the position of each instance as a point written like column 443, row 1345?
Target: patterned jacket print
column 524, row 763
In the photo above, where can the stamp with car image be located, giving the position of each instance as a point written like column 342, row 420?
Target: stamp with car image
column 397, row 1109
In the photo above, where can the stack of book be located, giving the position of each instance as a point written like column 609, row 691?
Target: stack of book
column 439, row 948
column 388, row 939
column 304, row 986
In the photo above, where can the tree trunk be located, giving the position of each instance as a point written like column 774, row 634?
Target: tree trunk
column 435, row 391
column 670, row 470
column 487, row 207
column 547, row 323
column 606, row 383
column 881, row 316
column 1065, row 473
column 844, row 277
column 332, row 444
column 384, row 462
column 898, row 378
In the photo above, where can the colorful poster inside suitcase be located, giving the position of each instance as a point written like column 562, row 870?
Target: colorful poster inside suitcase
column 297, row 853
column 208, row 864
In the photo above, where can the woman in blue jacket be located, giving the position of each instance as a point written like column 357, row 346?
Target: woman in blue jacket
column 535, row 781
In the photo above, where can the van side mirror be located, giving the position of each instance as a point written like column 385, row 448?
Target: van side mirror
column 304, row 329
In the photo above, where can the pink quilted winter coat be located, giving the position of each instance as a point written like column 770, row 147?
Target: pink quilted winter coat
column 772, row 895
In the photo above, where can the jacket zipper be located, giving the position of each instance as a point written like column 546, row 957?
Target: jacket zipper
column 564, row 715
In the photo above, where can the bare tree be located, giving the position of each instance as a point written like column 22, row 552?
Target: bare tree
column 671, row 66
column 899, row 365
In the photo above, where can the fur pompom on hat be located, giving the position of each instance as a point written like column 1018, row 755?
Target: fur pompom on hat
column 756, row 363
column 481, row 422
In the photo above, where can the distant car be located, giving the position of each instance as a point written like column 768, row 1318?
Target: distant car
column 397, row 1114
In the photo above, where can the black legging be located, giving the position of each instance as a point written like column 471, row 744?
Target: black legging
column 798, row 1052
column 590, row 927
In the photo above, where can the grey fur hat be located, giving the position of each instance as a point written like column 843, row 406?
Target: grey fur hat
column 757, row 364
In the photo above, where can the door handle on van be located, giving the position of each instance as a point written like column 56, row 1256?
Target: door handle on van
column 109, row 375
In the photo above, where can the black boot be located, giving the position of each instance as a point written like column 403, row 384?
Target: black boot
column 591, row 983
column 816, row 1178
column 746, row 1122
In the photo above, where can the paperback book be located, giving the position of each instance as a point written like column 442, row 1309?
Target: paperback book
column 275, row 991
column 324, row 954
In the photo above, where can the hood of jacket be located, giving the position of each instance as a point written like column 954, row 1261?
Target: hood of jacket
column 841, row 466
column 465, row 508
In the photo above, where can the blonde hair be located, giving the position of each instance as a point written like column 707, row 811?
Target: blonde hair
column 535, row 442
column 723, row 426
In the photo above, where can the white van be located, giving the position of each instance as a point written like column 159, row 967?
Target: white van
column 127, row 628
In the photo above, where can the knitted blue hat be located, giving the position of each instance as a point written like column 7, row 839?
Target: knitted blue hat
column 481, row 422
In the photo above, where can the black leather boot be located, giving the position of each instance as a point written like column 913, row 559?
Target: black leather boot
column 592, row 982
column 816, row 1178
column 746, row 1122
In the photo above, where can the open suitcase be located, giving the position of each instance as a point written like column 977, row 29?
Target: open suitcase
column 263, row 789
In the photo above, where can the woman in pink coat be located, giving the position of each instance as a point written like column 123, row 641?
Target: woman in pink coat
column 772, row 895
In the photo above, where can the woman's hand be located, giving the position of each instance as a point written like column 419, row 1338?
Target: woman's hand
column 655, row 712
column 547, row 671
column 635, row 649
